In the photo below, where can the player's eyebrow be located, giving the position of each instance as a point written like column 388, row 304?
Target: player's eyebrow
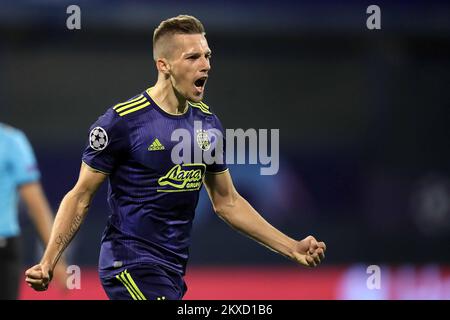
column 197, row 53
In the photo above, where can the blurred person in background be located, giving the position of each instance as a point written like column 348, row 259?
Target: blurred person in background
column 145, row 246
column 19, row 177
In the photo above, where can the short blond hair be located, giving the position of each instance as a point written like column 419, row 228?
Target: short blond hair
column 182, row 24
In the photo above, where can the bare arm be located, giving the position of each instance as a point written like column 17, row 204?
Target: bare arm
column 41, row 215
column 71, row 214
column 38, row 209
column 237, row 212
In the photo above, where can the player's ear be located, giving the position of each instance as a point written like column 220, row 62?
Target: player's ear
column 163, row 66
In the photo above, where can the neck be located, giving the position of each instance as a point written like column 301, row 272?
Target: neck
column 165, row 95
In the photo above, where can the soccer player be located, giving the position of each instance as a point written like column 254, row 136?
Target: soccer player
column 19, row 176
column 145, row 245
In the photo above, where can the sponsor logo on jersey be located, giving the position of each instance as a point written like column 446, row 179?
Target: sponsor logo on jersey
column 183, row 177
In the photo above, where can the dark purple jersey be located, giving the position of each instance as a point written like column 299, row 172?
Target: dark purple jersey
column 152, row 196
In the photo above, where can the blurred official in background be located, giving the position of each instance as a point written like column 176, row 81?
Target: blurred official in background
column 19, row 176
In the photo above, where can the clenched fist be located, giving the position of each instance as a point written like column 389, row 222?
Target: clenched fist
column 39, row 276
column 309, row 252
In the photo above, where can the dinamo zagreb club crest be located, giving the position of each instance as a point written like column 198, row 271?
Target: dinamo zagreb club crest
column 203, row 140
column 98, row 139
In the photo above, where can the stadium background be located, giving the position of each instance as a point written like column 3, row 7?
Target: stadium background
column 364, row 133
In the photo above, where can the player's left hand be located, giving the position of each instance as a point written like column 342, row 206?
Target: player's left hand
column 309, row 252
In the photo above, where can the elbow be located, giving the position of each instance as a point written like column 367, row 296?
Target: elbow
column 225, row 206
column 218, row 209
column 81, row 198
column 84, row 204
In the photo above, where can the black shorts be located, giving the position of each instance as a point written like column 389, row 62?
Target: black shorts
column 10, row 268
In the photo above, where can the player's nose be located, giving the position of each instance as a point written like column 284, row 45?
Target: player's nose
column 206, row 65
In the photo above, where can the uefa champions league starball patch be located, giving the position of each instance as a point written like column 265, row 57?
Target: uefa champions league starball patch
column 98, row 139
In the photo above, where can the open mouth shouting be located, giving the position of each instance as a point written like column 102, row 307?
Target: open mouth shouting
column 200, row 83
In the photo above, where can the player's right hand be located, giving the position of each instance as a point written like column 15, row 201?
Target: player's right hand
column 39, row 276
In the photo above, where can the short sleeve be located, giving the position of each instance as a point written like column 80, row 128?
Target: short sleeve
column 107, row 143
column 219, row 165
column 23, row 161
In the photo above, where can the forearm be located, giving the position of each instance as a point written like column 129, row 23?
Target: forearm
column 244, row 218
column 44, row 225
column 39, row 209
column 71, row 214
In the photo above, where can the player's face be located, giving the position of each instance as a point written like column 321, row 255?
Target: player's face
column 190, row 65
